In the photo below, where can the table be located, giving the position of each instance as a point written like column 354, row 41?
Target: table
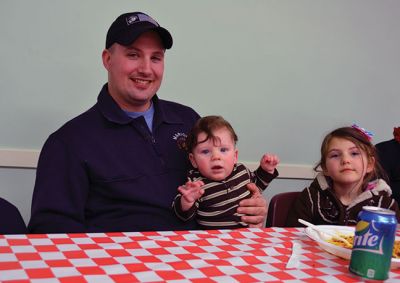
column 242, row 255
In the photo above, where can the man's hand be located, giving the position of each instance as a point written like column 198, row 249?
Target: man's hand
column 254, row 208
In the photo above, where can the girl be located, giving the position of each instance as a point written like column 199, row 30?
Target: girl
column 351, row 178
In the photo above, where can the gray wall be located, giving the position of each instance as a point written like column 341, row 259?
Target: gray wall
column 284, row 73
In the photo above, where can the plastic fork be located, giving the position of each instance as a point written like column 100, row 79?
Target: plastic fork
column 319, row 230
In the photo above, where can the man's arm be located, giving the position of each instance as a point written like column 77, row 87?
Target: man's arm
column 61, row 189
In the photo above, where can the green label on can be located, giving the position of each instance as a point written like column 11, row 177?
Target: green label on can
column 372, row 250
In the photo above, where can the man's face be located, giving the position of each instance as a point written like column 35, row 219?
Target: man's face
column 135, row 72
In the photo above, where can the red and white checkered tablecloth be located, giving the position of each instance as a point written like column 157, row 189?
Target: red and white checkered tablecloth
column 243, row 255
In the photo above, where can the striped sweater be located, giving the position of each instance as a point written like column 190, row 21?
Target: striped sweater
column 216, row 209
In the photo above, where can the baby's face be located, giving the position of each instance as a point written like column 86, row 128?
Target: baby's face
column 215, row 159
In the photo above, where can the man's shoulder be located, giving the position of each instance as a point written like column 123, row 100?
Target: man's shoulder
column 79, row 123
column 168, row 104
column 388, row 149
column 387, row 144
column 177, row 113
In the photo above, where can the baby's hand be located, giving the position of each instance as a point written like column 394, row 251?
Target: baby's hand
column 190, row 192
column 269, row 162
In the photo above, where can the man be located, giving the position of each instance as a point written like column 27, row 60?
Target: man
column 389, row 157
column 117, row 166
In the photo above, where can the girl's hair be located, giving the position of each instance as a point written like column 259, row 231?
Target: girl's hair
column 208, row 125
column 362, row 141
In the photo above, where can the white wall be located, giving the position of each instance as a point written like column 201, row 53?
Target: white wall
column 284, row 73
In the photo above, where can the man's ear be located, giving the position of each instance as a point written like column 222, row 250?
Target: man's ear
column 105, row 56
column 192, row 160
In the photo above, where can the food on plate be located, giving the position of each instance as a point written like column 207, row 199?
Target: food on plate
column 349, row 238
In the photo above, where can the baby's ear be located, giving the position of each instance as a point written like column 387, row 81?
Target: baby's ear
column 192, row 160
column 236, row 155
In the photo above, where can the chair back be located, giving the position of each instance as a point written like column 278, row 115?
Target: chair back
column 278, row 208
column 11, row 221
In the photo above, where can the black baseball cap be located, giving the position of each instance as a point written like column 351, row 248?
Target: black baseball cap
column 129, row 26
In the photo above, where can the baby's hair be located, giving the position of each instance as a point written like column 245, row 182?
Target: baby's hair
column 208, row 125
column 362, row 141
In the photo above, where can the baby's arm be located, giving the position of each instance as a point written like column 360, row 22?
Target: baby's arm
column 190, row 192
column 269, row 162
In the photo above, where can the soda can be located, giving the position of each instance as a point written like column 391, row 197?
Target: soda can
column 373, row 243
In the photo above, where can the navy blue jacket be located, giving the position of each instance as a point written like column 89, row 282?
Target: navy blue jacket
column 11, row 221
column 104, row 171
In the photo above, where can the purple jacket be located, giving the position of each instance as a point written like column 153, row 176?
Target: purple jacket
column 104, row 171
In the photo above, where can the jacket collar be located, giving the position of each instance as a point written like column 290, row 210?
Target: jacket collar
column 322, row 181
column 376, row 187
column 113, row 113
column 373, row 188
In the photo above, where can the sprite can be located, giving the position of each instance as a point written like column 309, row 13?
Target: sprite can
column 373, row 243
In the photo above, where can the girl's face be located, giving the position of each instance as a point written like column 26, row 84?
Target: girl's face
column 346, row 164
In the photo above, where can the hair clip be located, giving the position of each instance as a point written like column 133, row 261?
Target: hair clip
column 368, row 134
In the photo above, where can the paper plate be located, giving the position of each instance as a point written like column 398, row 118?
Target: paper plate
column 336, row 250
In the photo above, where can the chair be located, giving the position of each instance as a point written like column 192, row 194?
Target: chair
column 11, row 221
column 279, row 208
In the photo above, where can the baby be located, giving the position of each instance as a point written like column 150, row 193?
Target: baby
column 218, row 183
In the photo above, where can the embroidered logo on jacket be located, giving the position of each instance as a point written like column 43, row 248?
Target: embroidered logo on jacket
column 180, row 140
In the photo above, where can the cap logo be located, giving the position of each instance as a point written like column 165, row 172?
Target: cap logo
column 140, row 18
column 130, row 20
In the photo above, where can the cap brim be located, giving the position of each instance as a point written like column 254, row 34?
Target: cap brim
column 127, row 37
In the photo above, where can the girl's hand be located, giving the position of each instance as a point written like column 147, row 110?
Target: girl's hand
column 269, row 162
column 190, row 192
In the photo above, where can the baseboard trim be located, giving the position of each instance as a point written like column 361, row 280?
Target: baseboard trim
column 19, row 158
column 25, row 158
column 289, row 171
